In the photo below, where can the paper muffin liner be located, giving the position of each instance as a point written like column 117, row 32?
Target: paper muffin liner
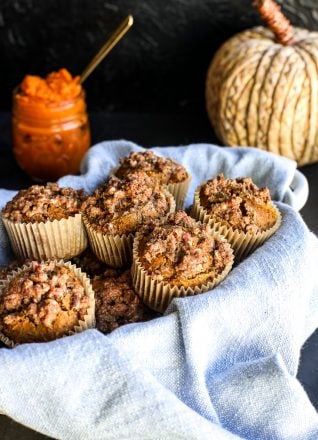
column 157, row 295
column 63, row 238
column 179, row 191
column 115, row 250
column 89, row 319
column 243, row 243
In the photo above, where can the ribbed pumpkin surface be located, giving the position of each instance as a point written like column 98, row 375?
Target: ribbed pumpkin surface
column 260, row 93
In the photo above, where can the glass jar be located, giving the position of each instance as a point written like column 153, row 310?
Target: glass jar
column 49, row 139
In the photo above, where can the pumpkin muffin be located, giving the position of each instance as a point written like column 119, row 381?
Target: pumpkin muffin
column 178, row 257
column 114, row 212
column 166, row 171
column 116, row 302
column 44, row 301
column 89, row 263
column 45, row 222
column 239, row 210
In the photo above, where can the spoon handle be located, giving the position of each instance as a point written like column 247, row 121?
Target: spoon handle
column 115, row 37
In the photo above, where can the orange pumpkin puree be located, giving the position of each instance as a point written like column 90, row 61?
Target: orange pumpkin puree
column 56, row 87
column 50, row 125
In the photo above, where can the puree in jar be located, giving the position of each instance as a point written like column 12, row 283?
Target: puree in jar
column 50, row 125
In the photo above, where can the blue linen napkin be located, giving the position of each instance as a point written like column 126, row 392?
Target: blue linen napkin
column 220, row 365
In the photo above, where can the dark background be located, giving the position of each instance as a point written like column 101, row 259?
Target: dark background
column 160, row 65
column 150, row 89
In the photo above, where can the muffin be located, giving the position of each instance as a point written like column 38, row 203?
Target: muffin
column 239, row 210
column 117, row 209
column 178, row 257
column 45, row 222
column 166, row 171
column 116, row 302
column 44, row 301
column 89, row 263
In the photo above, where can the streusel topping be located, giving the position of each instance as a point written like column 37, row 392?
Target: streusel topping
column 41, row 294
column 40, row 203
column 182, row 249
column 164, row 169
column 239, row 203
column 89, row 263
column 116, row 302
column 121, row 205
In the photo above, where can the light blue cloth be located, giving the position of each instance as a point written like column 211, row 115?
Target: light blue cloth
column 220, row 365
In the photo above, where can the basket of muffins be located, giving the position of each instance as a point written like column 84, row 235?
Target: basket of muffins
column 121, row 254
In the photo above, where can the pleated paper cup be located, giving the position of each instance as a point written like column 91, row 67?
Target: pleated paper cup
column 179, row 191
column 157, row 295
column 243, row 243
column 85, row 324
column 63, row 238
column 115, row 250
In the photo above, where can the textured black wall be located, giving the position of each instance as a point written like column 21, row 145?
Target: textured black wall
column 159, row 66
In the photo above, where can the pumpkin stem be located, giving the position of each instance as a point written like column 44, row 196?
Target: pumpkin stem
column 271, row 12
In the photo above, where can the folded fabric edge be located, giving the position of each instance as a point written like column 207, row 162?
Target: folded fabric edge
column 284, row 411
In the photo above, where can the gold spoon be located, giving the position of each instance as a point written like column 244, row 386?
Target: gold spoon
column 115, row 37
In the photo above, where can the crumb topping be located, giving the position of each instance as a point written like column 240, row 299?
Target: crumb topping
column 41, row 294
column 181, row 250
column 164, row 169
column 41, row 203
column 89, row 263
column 116, row 302
column 121, row 205
column 239, row 203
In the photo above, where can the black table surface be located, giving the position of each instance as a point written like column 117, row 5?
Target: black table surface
column 154, row 130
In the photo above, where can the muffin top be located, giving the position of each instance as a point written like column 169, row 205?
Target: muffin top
column 121, row 205
column 89, row 263
column 239, row 203
column 182, row 251
column 116, row 302
column 164, row 169
column 42, row 203
column 42, row 302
